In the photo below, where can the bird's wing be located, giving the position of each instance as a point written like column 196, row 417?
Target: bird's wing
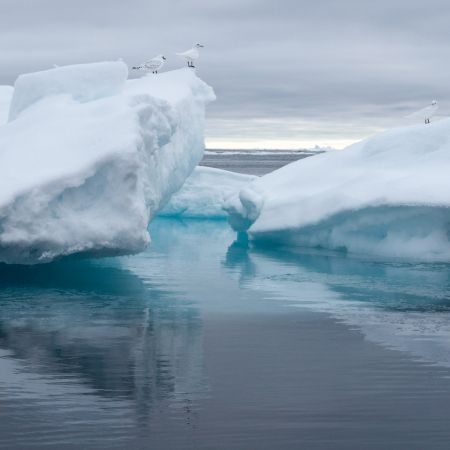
column 188, row 54
column 153, row 64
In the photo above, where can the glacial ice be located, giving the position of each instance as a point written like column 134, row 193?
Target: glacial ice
column 386, row 196
column 204, row 194
column 88, row 158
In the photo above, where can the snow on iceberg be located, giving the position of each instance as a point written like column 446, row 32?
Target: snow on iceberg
column 387, row 195
column 204, row 194
column 100, row 80
column 88, row 158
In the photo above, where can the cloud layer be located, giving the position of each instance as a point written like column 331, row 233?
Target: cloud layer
column 287, row 74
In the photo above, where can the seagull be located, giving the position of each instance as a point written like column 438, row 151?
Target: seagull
column 154, row 64
column 426, row 113
column 191, row 55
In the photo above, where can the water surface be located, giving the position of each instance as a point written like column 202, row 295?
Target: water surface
column 254, row 162
column 204, row 342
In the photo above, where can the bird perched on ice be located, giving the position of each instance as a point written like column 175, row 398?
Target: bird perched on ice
column 154, row 64
column 191, row 55
column 426, row 113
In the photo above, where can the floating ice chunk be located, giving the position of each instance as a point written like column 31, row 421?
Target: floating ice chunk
column 387, row 195
column 85, row 173
column 204, row 194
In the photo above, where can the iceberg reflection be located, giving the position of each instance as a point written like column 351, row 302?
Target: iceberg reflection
column 402, row 306
column 96, row 325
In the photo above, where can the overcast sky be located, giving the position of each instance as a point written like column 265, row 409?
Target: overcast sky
column 287, row 73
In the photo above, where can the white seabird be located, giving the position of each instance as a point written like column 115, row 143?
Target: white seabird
column 426, row 113
column 191, row 55
column 153, row 64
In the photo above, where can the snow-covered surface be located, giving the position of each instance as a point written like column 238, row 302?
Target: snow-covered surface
column 101, row 80
column 387, row 195
column 425, row 113
column 204, row 193
column 85, row 165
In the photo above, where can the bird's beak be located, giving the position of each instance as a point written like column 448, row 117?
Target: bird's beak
column 200, row 45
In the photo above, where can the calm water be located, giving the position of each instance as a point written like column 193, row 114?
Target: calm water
column 203, row 342
column 254, row 162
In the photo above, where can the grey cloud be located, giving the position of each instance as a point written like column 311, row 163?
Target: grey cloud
column 325, row 63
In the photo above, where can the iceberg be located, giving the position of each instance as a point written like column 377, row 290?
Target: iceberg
column 88, row 158
column 385, row 196
column 205, row 193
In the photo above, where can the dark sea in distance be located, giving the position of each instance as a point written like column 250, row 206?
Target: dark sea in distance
column 204, row 341
column 257, row 162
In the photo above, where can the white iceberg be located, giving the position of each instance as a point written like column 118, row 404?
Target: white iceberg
column 386, row 196
column 88, row 158
column 205, row 193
